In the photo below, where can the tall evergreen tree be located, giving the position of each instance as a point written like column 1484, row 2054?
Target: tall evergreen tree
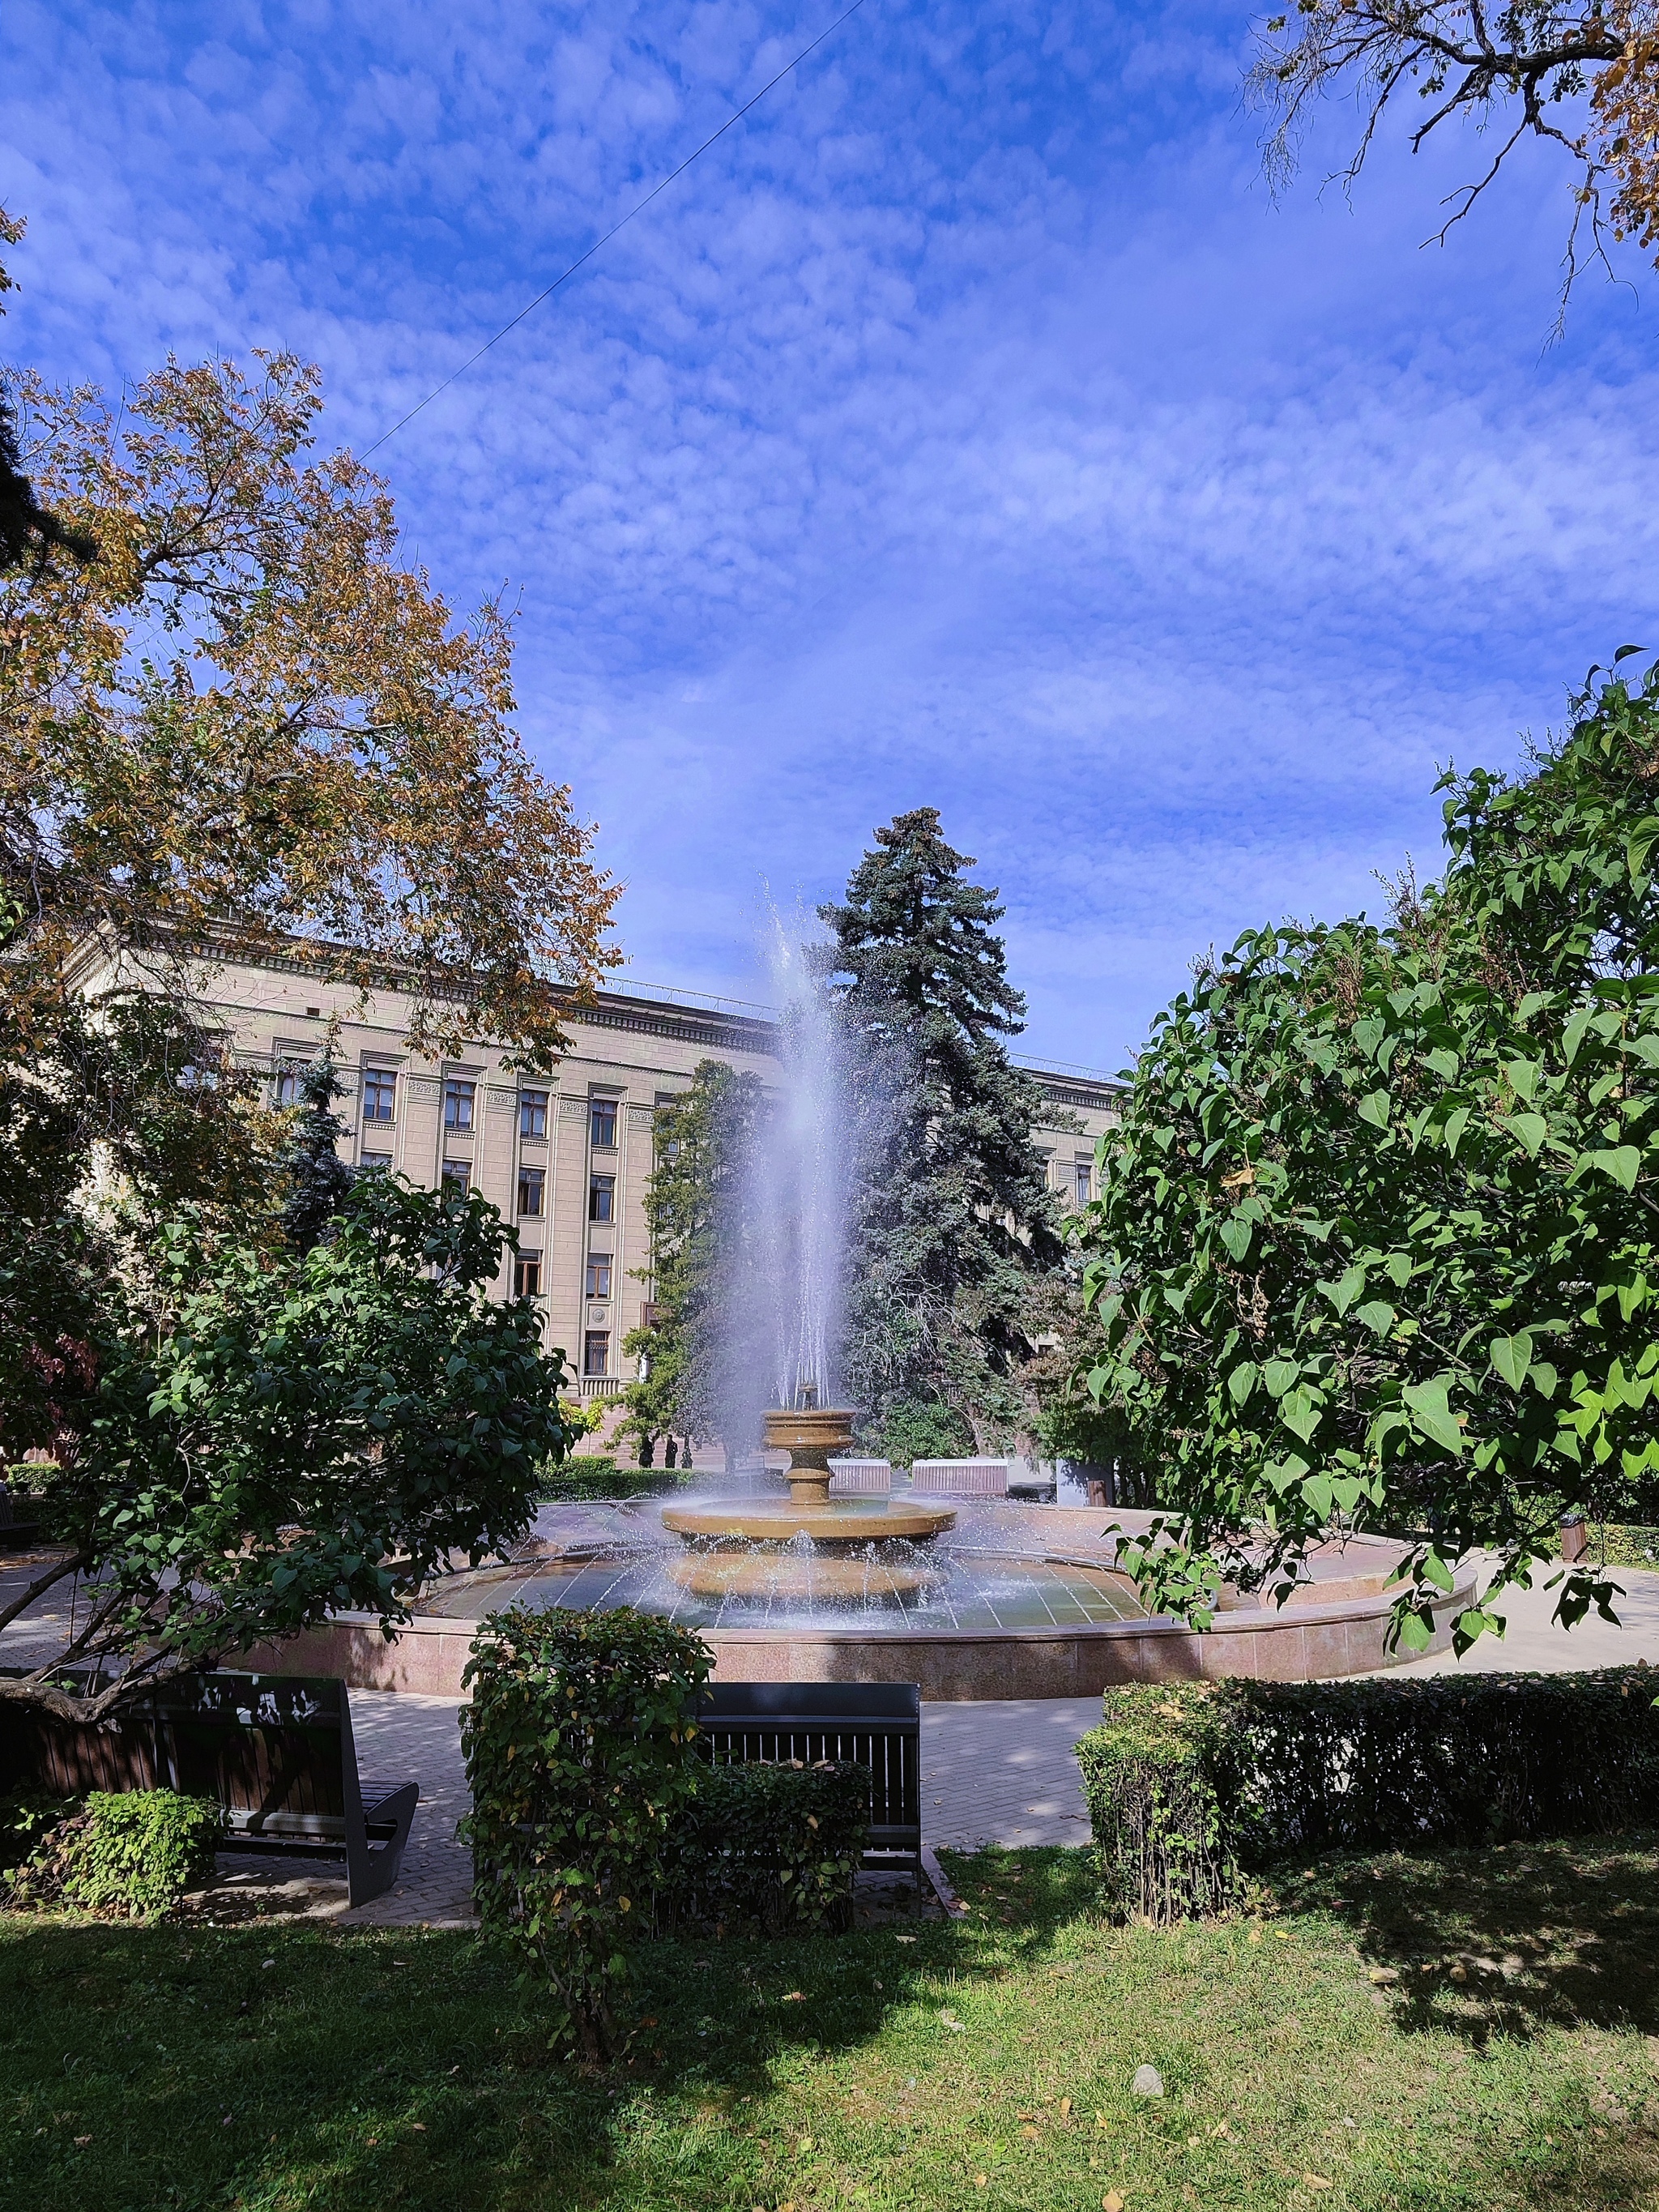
column 697, row 1212
column 318, row 1178
column 952, row 1226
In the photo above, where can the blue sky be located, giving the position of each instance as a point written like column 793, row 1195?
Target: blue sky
column 968, row 428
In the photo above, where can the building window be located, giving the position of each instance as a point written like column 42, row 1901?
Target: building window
column 527, row 1275
column 378, row 1089
column 532, row 1181
column 532, row 1113
column 457, row 1104
column 289, row 1080
column 596, row 1351
column 374, row 1162
column 602, row 1118
column 458, row 1179
column 601, row 1197
column 599, row 1274
column 1086, row 1188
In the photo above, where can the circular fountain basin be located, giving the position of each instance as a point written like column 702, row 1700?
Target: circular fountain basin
column 1015, row 1602
column 836, row 1520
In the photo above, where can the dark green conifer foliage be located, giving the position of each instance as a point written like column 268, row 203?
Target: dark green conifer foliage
column 318, row 1178
column 697, row 1212
column 952, row 1224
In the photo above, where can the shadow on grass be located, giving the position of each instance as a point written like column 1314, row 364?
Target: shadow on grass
column 1504, row 1939
column 288, row 2063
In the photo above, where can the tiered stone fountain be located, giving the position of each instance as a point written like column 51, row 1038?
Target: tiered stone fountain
column 816, row 1546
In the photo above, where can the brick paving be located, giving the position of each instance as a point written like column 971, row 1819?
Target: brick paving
column 992, row 1772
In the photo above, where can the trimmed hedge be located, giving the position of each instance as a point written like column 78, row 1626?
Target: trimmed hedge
column 577, row 1741
column 597, row 1475
column 775, row 1847
column 1191, row 1785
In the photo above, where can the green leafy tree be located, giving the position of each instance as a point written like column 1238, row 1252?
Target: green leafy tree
column 299, row 1431
column 111, row 1113
column 697, row 1212
column 1376, row 1236
column 952, row 1228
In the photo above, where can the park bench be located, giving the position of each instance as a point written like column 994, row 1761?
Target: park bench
column 275, row 1751
column 877, row 1725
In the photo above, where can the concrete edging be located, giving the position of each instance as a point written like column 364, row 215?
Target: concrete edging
column 1303, row 1643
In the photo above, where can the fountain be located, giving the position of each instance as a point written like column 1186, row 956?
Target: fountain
column 978, row 1599
column 815, row 1547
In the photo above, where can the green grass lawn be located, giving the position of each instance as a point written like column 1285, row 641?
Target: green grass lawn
column 982, row 2064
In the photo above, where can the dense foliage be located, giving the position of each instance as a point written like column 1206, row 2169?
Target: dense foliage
column 112, row 1115
column 952, row 1228
column 129, row 1855
column 699, row 1213
column 1376, row 1236
column 765, row 1845
column 1191, row 1785
column 243, row 720
column 296, row 1431
column 576, row 1739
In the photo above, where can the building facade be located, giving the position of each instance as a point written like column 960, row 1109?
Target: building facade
column 565, row 1158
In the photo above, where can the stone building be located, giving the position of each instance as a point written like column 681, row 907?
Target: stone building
column 564, row 1158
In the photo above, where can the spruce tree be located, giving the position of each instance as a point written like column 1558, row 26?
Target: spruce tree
column 952, row 1232
column 318, row 1178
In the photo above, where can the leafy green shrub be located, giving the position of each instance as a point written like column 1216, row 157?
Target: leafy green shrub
column 576, row 1743
column 595, row 1474
column 131, row 1854
column 1615, row 1544
column 1153, row 1805
column 1190, row 1785
column 775, row 1845
column 27, row 1815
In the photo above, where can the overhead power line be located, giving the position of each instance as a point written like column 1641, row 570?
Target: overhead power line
column 639, row 207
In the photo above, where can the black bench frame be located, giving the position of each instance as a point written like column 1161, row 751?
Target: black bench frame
column 275, row 1751
column 878, row 1725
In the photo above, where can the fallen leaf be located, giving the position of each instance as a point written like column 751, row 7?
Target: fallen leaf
column 1100, row 2121
column 1316, row 2181
column 419, row 2126
column 1065, row 2108
column 1029, row 2134
column 81, row 2141
column 805, row 2145
column 904, row 1939
column 1283, row 1934
column 1460, row 1972
column 1383, row 1975
column 1255, row 1936
column 980, row 2180
column 1112, row 2201
column 794, row 1996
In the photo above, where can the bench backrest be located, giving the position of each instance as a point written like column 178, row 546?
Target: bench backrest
column 859, row 1478
column 260, row 1746
column 961, row 1478
column 878, row 1725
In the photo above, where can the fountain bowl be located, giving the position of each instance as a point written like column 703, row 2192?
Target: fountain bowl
column 810, row 1435
column 787, row 1577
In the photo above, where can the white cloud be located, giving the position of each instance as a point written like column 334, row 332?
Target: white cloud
column 964, row 430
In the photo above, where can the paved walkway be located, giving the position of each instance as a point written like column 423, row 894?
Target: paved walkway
column 992, row 1772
